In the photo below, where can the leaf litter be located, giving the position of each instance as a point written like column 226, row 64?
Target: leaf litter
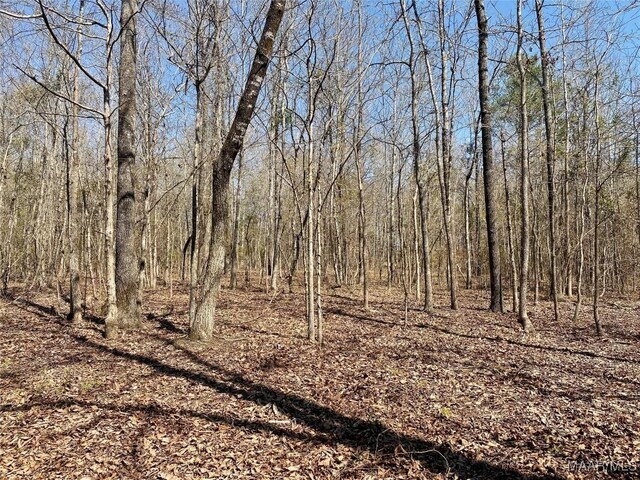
column 444, row 395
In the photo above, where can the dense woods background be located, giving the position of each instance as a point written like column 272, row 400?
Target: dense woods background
column 420, row 145
column 319, row 239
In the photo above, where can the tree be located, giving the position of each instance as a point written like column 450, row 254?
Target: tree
column 550, row 156
column 487, row 159
column 127, row 240
column 73, row 191
column 202, row 326
column 524, row 179
column 416, row 149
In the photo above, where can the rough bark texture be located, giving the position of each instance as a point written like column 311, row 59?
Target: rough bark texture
column 487, row 158
column 202, row 327
column 127, row 252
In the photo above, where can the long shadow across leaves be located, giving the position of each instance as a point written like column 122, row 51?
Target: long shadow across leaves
column 328, row 425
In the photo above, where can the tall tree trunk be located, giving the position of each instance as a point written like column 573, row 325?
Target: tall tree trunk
column 487, row 160
column 596, row 217
column 74, row 199
column 445, row 161
column 202, row 327
column 233, row 275
column 550, row 153
column 309, row 238
column 359, row 161
column 510, row 236
column 416, row 156
column 196, row 202
column 568, row 268
column 127, row 249
column 109, row 245
column 524, row 182
column 467, row 206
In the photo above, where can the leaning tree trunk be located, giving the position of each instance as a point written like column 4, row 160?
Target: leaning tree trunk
column 487, row 159
column 202, row 326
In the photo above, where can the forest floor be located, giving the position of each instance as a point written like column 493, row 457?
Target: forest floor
column 445, row 395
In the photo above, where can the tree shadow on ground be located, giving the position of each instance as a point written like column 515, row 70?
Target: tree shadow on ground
column 585, row 353
column 327, row 425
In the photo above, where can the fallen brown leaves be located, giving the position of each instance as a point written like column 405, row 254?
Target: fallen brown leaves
column 448, row 395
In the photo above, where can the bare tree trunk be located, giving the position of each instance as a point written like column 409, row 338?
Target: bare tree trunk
column 467, row 213
column 550, row 153
column 279, row 107
column 445, row 162
column 111, row 320
column 524, row 182
column 362, row 226
column 127, row 248
column 596, row 217
column 416, row 154
column 74, row 199
column 510, row 237
column 416, row 242
column 309, row 240
column 565, row 194
column 196, row 201
column 233, row 280
column 403, row 246
column 487, row 157
column 391, row 216
column 637, row 176
column 362, row 234
column 202, row 327
column 318, row 260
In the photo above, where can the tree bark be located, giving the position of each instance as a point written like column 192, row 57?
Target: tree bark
column 487, row 159
column 510, row 236
column 550, row 153
column 127, row 251
column 202, row 327
column 74, row 200
column 524, row 182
